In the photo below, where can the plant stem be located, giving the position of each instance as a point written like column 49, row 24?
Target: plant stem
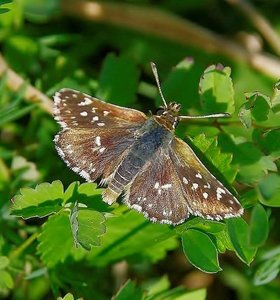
column 14, row 254
column 14, row 82
column 260, row 22
column 169, row 26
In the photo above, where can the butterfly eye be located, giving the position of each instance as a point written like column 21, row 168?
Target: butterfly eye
column 176, row 122
column 160, row 111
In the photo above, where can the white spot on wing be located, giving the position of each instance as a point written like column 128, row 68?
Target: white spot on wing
column 98, row 141
column 194, row 186
column 83, row 113
column 198, row 175
column 166, row 186
column 86, row 102
column 101, row 124
column 95, row 118
column 205, row 195
column 220, row 191
column 207, row 186
column 105, row 112
column 185, row 180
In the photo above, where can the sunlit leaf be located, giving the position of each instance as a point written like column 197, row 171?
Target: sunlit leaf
column 6, row 280
column 216, row 90
column 45, row 199
column 267, row 271
column 200, row 251
column 56, row 240
column 87, row 227
column 129, row 291
column 239, row 235
column 259, row 226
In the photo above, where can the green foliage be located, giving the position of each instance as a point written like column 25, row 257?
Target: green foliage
column 3, row 2
column 259, row 227
column 239, row 235
column 87, row 226
column 57, row 237
column 118, row 80
column 216, row 90
column 157, row 291
column 200, row 251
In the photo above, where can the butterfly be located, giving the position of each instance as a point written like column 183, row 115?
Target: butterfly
column 140, row 158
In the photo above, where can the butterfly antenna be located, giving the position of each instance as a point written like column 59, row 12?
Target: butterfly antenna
column 155, row 72
column 218, row 115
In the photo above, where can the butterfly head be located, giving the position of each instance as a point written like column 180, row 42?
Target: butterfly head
column 169, row 115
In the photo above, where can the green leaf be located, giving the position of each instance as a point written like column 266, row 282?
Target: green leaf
column 245, row 115
column 159, row 289
column 200, row 251
column 216, row 90
column 269, row 190
column 239, row 235
column 4, row 262
column 200, row 294
column 267, row 271
column 68, row 296
column 44, row 200
column 129, row 291
column 252, row 163
column 269, row 141
column 222, row 161
column 118, row 81
column 6, row 280
column 138, row 238
column 156, row 287
column 275, row 98
column 173, row 87
column 259, row 227
column 87, row 227
column 259, row 105
column 22, row 51
column 55, row 241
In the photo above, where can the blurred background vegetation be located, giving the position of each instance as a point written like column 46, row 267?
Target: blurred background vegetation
column 104, row 48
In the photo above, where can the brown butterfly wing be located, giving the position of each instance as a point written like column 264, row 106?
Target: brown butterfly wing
column 74, row 109
column 156, row 191
column 205, row 195
column 93, row 153
column 95, row 135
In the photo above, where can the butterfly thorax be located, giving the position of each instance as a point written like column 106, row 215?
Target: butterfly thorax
column 168, row 116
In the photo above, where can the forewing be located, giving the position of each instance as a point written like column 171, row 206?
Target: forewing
column 156, row 191
column 205, row 195
column 95, row 135
column 73, row 109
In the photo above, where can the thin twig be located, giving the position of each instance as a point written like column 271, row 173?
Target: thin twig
column 17, row 252
column 260, row 22
column 167, row 25
column 14, row 82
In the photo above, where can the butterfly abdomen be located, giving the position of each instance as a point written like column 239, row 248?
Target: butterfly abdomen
column 143, row 149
